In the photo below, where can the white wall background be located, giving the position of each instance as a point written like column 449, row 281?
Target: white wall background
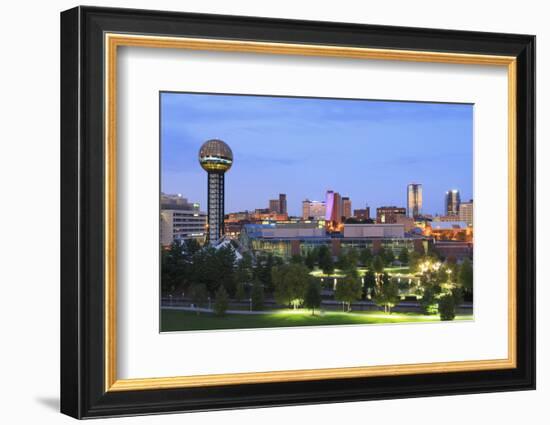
column 29, row 209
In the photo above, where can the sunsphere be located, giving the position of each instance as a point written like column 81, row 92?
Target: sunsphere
column 215, row 156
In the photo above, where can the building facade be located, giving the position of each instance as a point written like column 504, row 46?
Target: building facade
column 180, row 220
column 362, row 213
column 346, row 207
column 466, row 212
column 282, row 204
column 449, row 231
column 333, row 208
column 386, row 215
column 298, row 239
column 274, row 206
column 414, row 200
column 452, row 202
column 313, row 210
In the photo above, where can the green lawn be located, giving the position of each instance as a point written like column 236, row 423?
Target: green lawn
column 395, row 270
column 362, row 270
column 174, row 320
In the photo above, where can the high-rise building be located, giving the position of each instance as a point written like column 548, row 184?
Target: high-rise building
column 313, row 210
column 180, row 220
column 452, row 202
column 346, row 207
column 414, row 200
column 216, row 157
column 362, row 213
column 333, row 207
column 274, row 205
column 386, row 215
column 466, row 212
column 282, row 203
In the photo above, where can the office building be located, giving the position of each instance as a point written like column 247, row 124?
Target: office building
column 180, row 220
column 333, row 205
column 346, row 207
column 387, row 214
column 282, row 204
column 452, row 202
column 313, row 210
column 414, row 200
column 449, row 231
column 374, row 231
column 288, row 239
column 362, row 213
column 466, row 212
column 274, row 205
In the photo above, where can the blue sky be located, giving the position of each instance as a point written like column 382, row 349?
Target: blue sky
column 367, row 150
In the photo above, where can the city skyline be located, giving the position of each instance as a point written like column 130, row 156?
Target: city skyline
column 274, row 139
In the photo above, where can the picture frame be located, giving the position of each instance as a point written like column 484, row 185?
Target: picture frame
column 90, row 40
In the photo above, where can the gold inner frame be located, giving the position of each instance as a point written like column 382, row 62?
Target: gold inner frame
column 113, row 41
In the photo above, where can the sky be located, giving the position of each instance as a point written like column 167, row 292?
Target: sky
column 365, row 149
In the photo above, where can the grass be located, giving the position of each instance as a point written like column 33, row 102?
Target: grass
column 395, row 270
column 177, row 320
column 362, row 270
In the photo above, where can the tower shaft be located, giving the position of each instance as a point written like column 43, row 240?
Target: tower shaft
column 216, row 193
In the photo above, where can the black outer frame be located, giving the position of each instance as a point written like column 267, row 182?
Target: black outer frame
column 82, row 207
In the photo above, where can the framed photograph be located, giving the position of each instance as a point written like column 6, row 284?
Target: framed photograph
column 261, row 212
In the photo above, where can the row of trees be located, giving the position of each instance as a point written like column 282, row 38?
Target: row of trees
column 440, row 286
column 187, row 264
column 206, row 274
column 213, row 275
column 352, row 257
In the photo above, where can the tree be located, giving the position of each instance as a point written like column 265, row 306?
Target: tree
column 348, row 290
column 243, row 276
column 257, row 296
column 442, row 274
column 290, row 281
column 353, row 258
column 191, row 247
column 369, row 283
column 404, row 256
column 447, row 307
column 325, row 260
column 244, row 265
column 240, row 293
column 297, row 259
column 343, row 262
column 466, row 275
column 429, row 292
column 387, row 293
column 414, row 260
column 221, row 302
column 214, row 267
column 311, row 259
column 378, row 264
column 403, row 285
column 312, row 298
column 199, row 295
column 263, row 271
column 388, row 257
column 366, row 257
column 174, row 270
column 225, row 263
